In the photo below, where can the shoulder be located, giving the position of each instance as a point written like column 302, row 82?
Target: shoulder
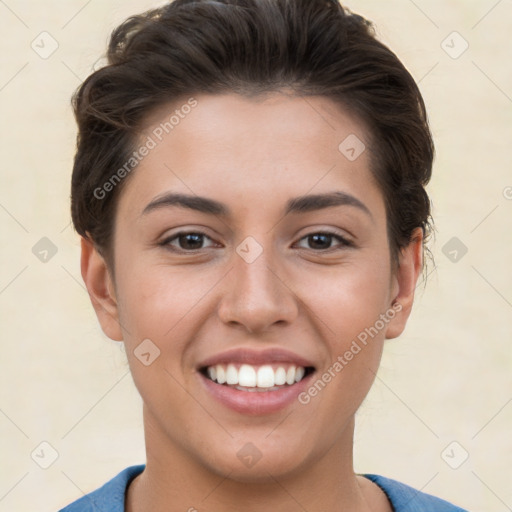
column 407, row 499
column 109, row 497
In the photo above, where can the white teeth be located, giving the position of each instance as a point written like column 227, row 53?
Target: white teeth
column 221, row 374
column 265, row 377
column 280, row 376
column 248, row 376
column 231, row 375
column 290, row 375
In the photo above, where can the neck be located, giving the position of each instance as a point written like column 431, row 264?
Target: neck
column 174, row 481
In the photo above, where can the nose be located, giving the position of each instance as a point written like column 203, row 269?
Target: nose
column 255, row 296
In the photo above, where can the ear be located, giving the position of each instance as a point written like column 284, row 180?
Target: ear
column 101, row 290
column 404, row 283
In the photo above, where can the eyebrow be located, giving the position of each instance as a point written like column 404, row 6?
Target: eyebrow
column 301, row 204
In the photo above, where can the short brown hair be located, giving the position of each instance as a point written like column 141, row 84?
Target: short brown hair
column 250, row 47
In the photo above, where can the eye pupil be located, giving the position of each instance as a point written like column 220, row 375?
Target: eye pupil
column 195, row 239
column 317, row 240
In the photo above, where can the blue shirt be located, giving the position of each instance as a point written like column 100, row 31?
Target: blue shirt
column 111, row 496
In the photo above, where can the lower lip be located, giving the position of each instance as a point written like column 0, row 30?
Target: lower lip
column 255, row 402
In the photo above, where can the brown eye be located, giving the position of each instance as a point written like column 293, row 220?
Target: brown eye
column 186, row 241
column 322, row 241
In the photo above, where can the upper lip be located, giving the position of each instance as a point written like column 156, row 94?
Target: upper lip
column 256, row 357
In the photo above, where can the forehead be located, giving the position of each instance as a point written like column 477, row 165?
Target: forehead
column 271, row 146
column 232, row 117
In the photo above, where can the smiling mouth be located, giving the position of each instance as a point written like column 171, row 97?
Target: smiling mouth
column 256, row 378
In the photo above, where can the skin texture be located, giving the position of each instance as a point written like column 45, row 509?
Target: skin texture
column 253, row 155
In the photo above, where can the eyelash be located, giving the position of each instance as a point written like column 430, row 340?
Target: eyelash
column 344, row 243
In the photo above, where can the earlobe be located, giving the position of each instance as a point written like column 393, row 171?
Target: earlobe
column 407, row 273
column 101, row 289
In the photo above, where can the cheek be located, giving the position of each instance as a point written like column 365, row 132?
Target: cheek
column 346, row 300
column 155, row 299
column 157, row 315
column 346, row 308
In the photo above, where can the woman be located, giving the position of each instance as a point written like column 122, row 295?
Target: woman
column 249, row 189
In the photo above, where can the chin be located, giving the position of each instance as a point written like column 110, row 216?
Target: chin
column 258, row 465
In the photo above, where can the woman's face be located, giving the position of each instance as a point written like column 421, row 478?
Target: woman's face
column 285, row 271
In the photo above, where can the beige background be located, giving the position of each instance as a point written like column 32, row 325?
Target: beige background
column 448, row 378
